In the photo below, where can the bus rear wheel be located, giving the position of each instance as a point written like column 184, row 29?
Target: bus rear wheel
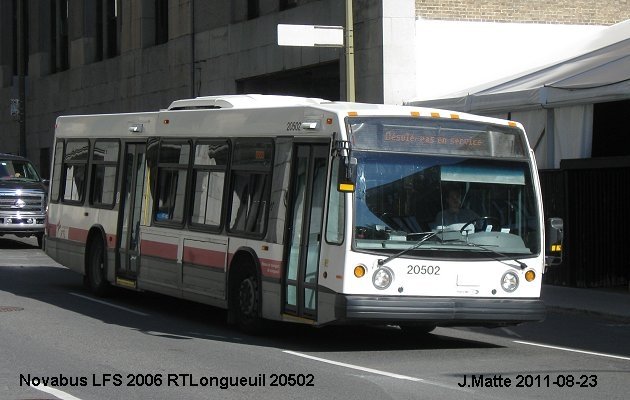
column 96, row 271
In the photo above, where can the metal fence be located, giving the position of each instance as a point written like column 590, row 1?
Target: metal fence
column 593, row 198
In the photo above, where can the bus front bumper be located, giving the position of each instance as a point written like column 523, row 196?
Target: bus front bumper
column 443, row 311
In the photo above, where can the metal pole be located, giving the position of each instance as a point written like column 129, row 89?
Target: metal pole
column 349, row 52
column 21, row 66
column 192, row 49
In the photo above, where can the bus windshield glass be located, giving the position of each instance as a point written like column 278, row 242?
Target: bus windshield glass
column 475, row 193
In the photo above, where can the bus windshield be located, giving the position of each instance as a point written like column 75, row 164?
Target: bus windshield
column 484, row 207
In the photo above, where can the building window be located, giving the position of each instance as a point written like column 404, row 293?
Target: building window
column 286, row 4
column 253, row 9
column 161, row 21
column 24, row 37
column 106, row 29
column 111, row 27
column 59, row 56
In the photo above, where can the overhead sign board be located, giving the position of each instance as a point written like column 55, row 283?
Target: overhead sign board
column 310, row 35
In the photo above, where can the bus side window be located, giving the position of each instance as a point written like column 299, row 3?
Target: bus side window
column 171, row 181
column 251, row 176
column 151, row 174
column 56, row 173
column 75, row 168
column 104, row 170
column 209, row 170
column 336, row 208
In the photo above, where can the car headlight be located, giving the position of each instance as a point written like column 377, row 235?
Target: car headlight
column 509, row 281
column 382, row 278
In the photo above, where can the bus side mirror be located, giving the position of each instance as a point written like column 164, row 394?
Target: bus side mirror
column 347, row 174
column 554, row 234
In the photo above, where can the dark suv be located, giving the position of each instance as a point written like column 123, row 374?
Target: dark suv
column 22, row 198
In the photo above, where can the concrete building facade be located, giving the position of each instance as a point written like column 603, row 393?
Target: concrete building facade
column 105, row 56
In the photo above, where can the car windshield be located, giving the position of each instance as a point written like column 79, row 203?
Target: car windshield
column 18, row 170
column 475, row 206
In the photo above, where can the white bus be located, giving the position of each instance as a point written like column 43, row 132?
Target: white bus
column 305, row 210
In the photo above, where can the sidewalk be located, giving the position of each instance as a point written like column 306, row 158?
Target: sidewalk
column 602, row 302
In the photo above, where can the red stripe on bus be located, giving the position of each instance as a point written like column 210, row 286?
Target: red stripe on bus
column 77, row 234
column 271, row 268
column 163, row 250
column 52, row 230
column 204, row 257
column 268, row 268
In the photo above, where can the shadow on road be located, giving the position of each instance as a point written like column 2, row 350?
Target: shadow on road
column 16, row 243
column 183, row 320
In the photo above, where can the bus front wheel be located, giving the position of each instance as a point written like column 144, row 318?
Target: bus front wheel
column 247, row 303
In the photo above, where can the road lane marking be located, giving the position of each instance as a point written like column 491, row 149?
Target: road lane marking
column 109, row 304
column 55, row 392
column 377, row 372
column 573, row 350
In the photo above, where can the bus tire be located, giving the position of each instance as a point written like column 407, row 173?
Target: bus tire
column 96, row 269
column 247, row 307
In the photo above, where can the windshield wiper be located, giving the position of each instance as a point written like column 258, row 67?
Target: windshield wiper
column 428, row 236
column 467, row 243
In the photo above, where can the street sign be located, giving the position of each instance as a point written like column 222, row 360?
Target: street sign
column 310, row 35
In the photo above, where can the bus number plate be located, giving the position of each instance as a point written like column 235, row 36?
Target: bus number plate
column 423, row 270
column 294, row 126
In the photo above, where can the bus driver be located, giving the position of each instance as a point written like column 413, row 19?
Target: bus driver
column 454, row 214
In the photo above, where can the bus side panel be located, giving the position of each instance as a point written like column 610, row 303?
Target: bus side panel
column 330, row 281
column 67, row 253
column 204, row 266
column 271, row 300
column 61, row 243
column 160, row 263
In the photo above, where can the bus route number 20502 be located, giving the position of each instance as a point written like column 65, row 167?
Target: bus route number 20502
column 294, row 126
column 423, row 270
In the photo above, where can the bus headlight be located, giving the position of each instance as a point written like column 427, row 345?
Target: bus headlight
column 382, row 278
column 509, row 281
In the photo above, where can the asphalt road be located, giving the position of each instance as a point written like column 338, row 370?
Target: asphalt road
column 59, row 342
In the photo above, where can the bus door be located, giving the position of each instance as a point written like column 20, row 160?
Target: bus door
column 131, row 206
column 308, row 191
